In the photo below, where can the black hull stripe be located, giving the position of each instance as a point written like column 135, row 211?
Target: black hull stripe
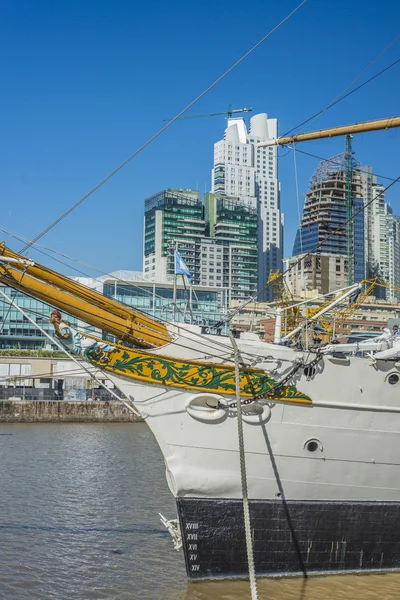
column 295, row 537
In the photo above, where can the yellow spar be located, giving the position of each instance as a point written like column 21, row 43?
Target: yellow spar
column 88, row 305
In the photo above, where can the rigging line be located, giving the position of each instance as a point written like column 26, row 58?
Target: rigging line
column 343, row 97
column 295, row 264
column 166, row 126
column 334, row 232
column 126, row 282
column 213, row 345
column 312, row 119
column 208, row 346
column 297, row 196
column 336, row 162
column 15, row 291
column 81, row 363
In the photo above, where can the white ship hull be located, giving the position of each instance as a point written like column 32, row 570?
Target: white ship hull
column 334, row 508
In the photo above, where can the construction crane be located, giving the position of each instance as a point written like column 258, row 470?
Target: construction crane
column 231, row 111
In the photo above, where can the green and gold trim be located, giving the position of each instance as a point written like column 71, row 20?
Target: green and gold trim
column 190, row 374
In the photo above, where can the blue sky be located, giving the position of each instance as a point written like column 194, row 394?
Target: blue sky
column 85, row 83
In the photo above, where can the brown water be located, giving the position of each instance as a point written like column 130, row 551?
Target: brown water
column 79, row 520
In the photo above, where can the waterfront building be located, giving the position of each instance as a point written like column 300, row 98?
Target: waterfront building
column 16, row 331
column 199, row 304
column 217, row 240
column 247, row 172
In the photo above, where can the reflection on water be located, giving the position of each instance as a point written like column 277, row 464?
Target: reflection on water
column 338, row 587
column 79, row 520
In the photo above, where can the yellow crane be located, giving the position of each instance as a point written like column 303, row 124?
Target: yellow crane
column 333, row 319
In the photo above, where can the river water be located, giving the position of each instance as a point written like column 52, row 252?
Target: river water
column 79, row 508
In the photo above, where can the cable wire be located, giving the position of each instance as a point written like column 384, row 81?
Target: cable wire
column 335, row 162
column 339, row 97
column 313, row 251
column 160, row 131
column 208, row 343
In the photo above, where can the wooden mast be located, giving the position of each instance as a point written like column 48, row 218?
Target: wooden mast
column 376, row 125
column 90, row 306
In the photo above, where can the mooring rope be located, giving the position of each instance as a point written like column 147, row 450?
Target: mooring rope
column 243, row 476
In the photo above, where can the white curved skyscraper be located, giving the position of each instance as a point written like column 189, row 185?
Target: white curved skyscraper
column 251, row 174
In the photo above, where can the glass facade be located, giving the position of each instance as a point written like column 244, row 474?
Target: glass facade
column 173, row 216
column 198, row 306
column 234, row 226
column 358, row 240
column 15, row 329
column 323, row 224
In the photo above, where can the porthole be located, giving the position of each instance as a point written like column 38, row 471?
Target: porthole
column 393, row 378
column 309, row 371
column 313, row 445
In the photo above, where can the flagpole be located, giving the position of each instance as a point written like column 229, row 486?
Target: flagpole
column 174, row 292
column 188, row 299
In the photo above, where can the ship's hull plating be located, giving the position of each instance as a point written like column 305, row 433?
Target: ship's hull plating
column 323, row 480
column 289, row 537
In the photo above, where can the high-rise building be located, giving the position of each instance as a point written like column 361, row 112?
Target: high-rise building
column 323, row 225
column 382, row 236
column 247, row 172
column 172, row 216
column 217, row 240
column 232, row 227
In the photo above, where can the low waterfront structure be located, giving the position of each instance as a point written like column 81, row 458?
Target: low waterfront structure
column 372, row 316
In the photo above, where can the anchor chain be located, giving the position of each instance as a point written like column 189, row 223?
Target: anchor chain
column 278, row 387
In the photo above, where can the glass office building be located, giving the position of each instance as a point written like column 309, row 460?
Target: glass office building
column 16, row 331
column 194, row 304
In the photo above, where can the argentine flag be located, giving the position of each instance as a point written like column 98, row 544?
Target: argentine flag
column 180, row 267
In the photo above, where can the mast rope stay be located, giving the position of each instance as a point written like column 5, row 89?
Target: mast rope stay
column 297, row 196
column 160, row 131
column 80, row 364
column 243, row 476
column 340, row 96
column 237, row 310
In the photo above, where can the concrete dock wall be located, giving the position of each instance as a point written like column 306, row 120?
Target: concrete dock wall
column 19, row 411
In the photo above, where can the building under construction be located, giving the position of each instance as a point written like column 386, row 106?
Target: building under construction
column 325, row 225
